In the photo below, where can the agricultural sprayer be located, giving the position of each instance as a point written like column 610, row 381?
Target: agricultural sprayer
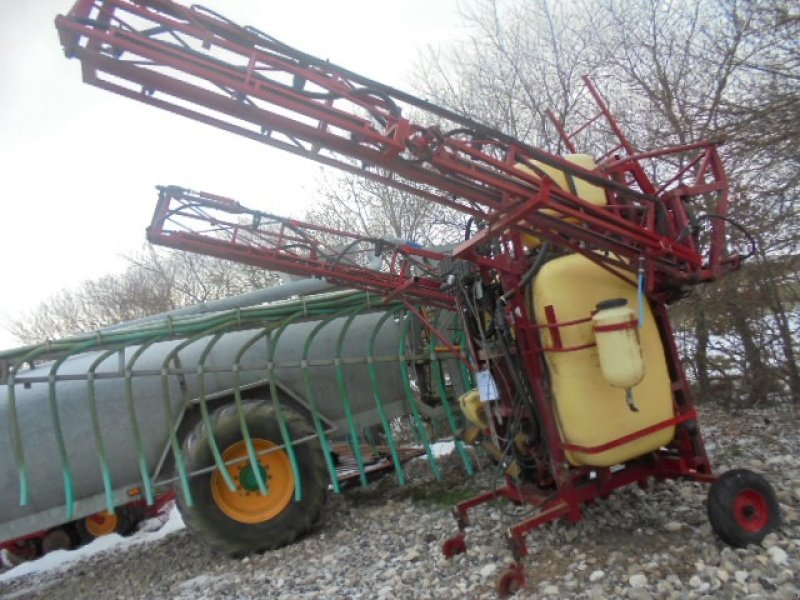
column 547, row 326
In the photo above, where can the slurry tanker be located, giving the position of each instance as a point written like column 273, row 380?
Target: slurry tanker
column 542, row 337
column 119, row 411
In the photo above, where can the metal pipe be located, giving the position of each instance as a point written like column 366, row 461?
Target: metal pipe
column 301, row 287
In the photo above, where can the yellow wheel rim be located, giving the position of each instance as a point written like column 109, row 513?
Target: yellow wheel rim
column 101, row 524
column 247, row 504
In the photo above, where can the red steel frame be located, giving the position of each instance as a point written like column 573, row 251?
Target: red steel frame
column 210, row 224
column 197, row 64
column 200, row 65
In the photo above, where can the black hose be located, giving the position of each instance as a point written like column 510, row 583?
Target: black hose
column 468, row 228
column 529, row 274
column 742, row 229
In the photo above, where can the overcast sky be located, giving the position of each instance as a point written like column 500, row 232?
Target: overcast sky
column 79, row 165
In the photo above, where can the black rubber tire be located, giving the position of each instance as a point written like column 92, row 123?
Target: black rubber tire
column 133, row 515
column 57, row 538
column 228, row 535
column 742, row 508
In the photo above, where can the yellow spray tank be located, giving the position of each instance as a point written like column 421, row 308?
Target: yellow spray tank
column 618, row 348
column 590, row 411
column 583, row 189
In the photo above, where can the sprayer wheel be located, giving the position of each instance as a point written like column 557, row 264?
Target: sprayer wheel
column 742, row 508
column 241, row 521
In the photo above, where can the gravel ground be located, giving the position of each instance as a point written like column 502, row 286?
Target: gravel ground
column 384, row 543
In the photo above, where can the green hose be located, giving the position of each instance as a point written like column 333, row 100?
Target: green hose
column 69, row 490
column 354, row 437
column 273, row 390
column 373, row 377
column 204, row 415
column 237, row 398
column 412, row 400
column 439, row 378
column 105, row 472
column 129, row 403
column 310, row 398
column 180, row 327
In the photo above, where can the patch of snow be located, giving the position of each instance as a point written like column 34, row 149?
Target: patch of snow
column 61, row 560
column 442, row 448
column 174, row 523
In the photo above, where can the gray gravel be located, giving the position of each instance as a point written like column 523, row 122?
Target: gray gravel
column 384, row 542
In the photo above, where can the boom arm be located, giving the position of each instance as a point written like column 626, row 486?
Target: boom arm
column 198, row 64
column 209, row 224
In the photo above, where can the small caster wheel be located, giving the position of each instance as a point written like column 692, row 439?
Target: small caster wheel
column 742, row 508
column 510, row 582
column 455, row 545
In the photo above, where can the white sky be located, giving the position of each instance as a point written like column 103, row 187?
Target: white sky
column 79, row 164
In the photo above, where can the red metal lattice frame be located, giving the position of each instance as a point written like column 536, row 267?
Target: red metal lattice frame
column 210, row 224
column 197, row 64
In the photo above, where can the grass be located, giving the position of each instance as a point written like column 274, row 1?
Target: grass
column 441, row 493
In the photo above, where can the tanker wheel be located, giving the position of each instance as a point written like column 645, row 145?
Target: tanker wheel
column 742, row 508
column 243, row 521
column 122, row 521
column 56, row 539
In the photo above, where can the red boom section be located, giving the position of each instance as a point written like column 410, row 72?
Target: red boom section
column 198, row 64
column 209, row 224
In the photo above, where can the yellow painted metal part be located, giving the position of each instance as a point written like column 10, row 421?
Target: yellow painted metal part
column 590, row 411
column 101, row 524
column 247, row 505
column 584, row 190
column 472, row 407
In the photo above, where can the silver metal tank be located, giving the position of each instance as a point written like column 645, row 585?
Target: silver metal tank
column 129, row 392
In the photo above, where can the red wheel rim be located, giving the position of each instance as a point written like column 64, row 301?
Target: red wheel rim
column 751, row 511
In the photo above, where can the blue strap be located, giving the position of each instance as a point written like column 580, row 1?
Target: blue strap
column 640, row 295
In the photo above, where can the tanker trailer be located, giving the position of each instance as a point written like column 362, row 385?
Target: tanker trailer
column 239, row 412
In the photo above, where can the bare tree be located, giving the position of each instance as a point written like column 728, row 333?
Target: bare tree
column 520, row 59
column 154, row 281
column 358, row 205
column 676, row 71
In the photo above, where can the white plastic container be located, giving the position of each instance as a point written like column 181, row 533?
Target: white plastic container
column 618, row 347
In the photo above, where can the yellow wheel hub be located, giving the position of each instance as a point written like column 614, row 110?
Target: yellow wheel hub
column 101, row 523
column 247, row 504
